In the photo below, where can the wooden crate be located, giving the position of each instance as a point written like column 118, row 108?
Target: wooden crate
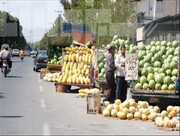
column 105, row 92
column 54, row 67
column 93, row 103
column 103, row 86
column 43, row 72
column 61, row 87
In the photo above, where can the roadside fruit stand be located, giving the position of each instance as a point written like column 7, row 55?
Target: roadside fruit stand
column 71, row 34
column 154, row 93
column 55, row 52
column 158, row 72
column 77, row 62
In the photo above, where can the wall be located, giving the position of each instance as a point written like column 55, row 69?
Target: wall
column 170, row 7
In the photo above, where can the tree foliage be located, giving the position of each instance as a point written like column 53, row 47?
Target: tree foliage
column 54, row 30
column 105, row 17
column 11, row 31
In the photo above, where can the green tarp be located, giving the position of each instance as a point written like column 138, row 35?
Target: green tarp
column 63, row 40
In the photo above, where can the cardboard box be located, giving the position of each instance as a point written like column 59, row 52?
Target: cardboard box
column 93, row 103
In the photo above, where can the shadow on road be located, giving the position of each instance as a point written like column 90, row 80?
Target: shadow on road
column 14, row 77
column 73, row 91
column 16, row 61
column 38, row 71
column 1, row 96
column 11, row 116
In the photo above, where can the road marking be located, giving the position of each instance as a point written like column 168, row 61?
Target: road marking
column 43, row 104
column 40, row 88
column 45, row 129
column 39, row 81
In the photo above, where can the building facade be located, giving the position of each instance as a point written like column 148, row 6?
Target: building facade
column 161, row 18
column 155, row 9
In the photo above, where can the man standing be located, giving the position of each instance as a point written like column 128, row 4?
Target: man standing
column 110, row 68
column 121, row 82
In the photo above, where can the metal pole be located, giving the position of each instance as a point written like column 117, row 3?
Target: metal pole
column 149, row 8
column 176, row 7
column 59, row 16
column 154, row 10
column 59, row 25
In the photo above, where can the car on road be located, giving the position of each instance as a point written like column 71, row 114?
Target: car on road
column 27, row 53
column 33, row 53
column 40, row 60
column 15, row 52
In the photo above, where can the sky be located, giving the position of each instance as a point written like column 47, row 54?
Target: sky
column 36, row 16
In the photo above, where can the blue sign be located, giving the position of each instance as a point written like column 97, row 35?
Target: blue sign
column 69, row 27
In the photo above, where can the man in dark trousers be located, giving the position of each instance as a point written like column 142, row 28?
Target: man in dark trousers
column 121, row 82
column 110, row 68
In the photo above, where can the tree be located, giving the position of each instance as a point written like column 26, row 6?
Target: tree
column 55, row 30
column 11, row 34
column 105, row 17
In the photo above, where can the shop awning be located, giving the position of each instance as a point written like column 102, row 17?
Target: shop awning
column 80, row 44
column 151, row 30
column 63, row 40
column 161, row 26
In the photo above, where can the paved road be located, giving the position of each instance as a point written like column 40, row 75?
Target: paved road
column 29, row 105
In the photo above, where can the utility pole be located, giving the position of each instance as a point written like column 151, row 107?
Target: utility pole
column 31, row 42
column 154, row 10
column 59, row 20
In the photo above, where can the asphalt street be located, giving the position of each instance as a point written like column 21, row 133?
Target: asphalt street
column 30, row 106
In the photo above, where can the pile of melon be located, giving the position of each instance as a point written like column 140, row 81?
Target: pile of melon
column 168, row 118
column 130, row 109
column 140, row 110
column 52, row 77
column 158, row 65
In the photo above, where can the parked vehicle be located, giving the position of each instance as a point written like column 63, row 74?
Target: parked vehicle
column 15, row 52
column 40, row 60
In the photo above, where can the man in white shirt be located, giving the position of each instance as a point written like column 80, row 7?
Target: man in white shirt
column 120, row 76
column 5, row 54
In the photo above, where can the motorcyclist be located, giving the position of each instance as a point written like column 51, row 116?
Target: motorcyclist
column 5, row 54
column 21, row 53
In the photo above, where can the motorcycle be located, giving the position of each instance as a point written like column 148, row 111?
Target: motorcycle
column 5, row 68
column 21, row 57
